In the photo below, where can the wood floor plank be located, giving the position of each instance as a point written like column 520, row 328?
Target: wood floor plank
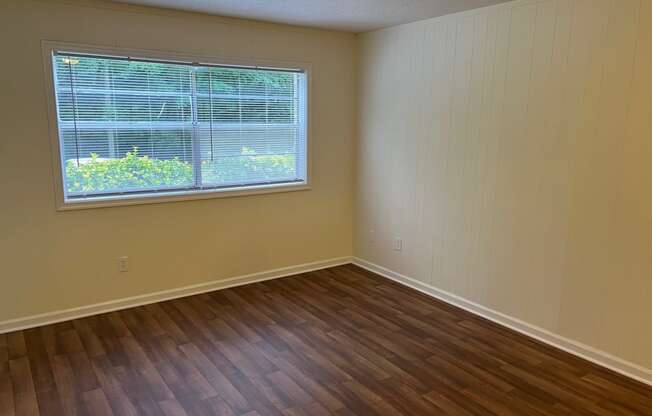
column 172, row 408
column 97, row 403
column 341, row 341
column 25, row 400
column 7, row 407
column 67, row 385
column 44, row 382
column 222, row 384
column 119, row 401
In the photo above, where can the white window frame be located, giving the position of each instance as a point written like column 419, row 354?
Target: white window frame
column 63, row 204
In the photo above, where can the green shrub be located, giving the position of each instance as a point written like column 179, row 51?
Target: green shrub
column 134, row 172
column 230, row 169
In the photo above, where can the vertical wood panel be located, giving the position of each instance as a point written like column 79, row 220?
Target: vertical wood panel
column 593, row 180
column 443, row 131
column 634, row 206
column 476, row 164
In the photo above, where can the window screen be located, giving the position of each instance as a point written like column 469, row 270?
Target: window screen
column 129, row 126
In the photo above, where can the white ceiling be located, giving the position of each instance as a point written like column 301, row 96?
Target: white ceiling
column 346, row 15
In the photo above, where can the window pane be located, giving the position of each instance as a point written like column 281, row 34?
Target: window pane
column 249, row 126
column 125, row 126
column 137, row 126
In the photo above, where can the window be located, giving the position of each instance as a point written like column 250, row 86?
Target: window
column 133, row 127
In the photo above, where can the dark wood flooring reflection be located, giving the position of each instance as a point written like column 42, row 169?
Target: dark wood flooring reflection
column 341, row 341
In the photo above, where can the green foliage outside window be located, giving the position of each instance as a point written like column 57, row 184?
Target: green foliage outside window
column 134, row 172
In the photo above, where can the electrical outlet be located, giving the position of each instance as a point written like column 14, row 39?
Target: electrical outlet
column 123, row 264
column 372, row 236
column 398, row 244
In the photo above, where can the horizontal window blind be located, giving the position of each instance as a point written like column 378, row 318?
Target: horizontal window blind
column 141, row 126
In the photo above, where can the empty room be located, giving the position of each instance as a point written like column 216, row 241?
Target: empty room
column 326, row 207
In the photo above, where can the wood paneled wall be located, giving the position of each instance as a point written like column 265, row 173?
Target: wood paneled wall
column 511, row 149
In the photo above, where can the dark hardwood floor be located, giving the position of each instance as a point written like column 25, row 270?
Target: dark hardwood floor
column 341, row 341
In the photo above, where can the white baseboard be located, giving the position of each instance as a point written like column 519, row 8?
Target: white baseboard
column 130, row 302
column 594, row 355
column 586, row 352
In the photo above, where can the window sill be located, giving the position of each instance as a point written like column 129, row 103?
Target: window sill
column 178, row 196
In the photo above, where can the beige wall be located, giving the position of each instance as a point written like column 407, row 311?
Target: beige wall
column 511, row 149
column 52, row 260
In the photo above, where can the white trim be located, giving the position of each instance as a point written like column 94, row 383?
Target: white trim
column 61, row 204
column 133, row 301
column 601, row 358
column 604, row 359
column 178, row 196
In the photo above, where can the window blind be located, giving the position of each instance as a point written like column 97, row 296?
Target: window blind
column 141, row 126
